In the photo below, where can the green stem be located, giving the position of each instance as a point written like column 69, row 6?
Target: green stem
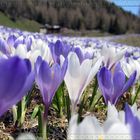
column 59, row 97
column 44, row 124
column 68, row 110
column 95, row 103
column 134, row 100
column 23, row 112
column 94, row 93
column 40, row 122
column 44, row 129
column 14, row 110
column 81, row 108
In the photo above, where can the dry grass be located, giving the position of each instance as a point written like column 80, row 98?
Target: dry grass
column 131, row 41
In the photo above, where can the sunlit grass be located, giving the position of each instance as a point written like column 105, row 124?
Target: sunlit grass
column 23, row 24
column 131, row 40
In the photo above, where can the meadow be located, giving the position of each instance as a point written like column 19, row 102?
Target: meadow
column 66, row 87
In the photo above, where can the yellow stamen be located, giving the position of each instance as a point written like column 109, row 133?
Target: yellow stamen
column 100, row 137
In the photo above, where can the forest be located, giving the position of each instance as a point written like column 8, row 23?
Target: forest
column 74, row 14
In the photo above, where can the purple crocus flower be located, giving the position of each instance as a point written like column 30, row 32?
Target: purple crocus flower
column 3, row 46
column 11, row 40
column 59, row 48
column 82, row 55
column 133, row 122
column 23, row 40
column 16, row 80
column 49, row 78
column 114, row 85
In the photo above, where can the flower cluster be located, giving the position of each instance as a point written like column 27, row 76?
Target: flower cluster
column 74, row 76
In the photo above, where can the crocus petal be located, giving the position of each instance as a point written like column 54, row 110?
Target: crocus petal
column 118, row 86
column 88, row 126
column 37, row 64
column 21, row 51
column 112, row 108
column 72, row 76
column 121, row 129
column 11, row 40
column 111, row 117
column 58, row 47
column 3, row 46
column 85, row 69
column 56, row 75
column 133, row 122
column 79, row 54
column 105, row 83
column 26, row 136
column 128, row 115
column 19, row 40
column 129, row 82
column 17, row 71
column 73, row 65
column 44, row 72
column 64, row 67
column 94, row 70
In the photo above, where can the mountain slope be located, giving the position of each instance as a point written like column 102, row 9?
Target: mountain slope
column 23, row 24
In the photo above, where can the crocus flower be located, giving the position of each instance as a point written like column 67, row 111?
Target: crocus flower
column 27, row 40
column 82, row 54
column 11, row 40
column 78, row 76
column 111, row 55
column 59, row 48
column 7, row 47
column 90, row 128
column 133, row 121
column 40, row 48
column 16, row 80
column 49, row 78
column 114, row 85
column 129, row 65
column 26, row 136
column 3, row 46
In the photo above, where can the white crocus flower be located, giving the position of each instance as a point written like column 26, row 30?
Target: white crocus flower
column 121, row 114
column 115, row 124
column 113, row 128
column 26, row 136
column 111, row 55
column 21, row 51
column 131, row 66
column 41, row 49
column 89, row 128
column 78, row 76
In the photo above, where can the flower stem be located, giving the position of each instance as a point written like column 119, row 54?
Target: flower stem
column 14, row 110
column 94, row 93
column 44, row 129
column 136, row 95
column 44, row 124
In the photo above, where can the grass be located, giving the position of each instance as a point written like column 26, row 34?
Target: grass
column 131, row 40
column 23, row 24
column 84, row 33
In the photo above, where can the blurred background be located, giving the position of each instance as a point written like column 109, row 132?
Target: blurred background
column 72, row 17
